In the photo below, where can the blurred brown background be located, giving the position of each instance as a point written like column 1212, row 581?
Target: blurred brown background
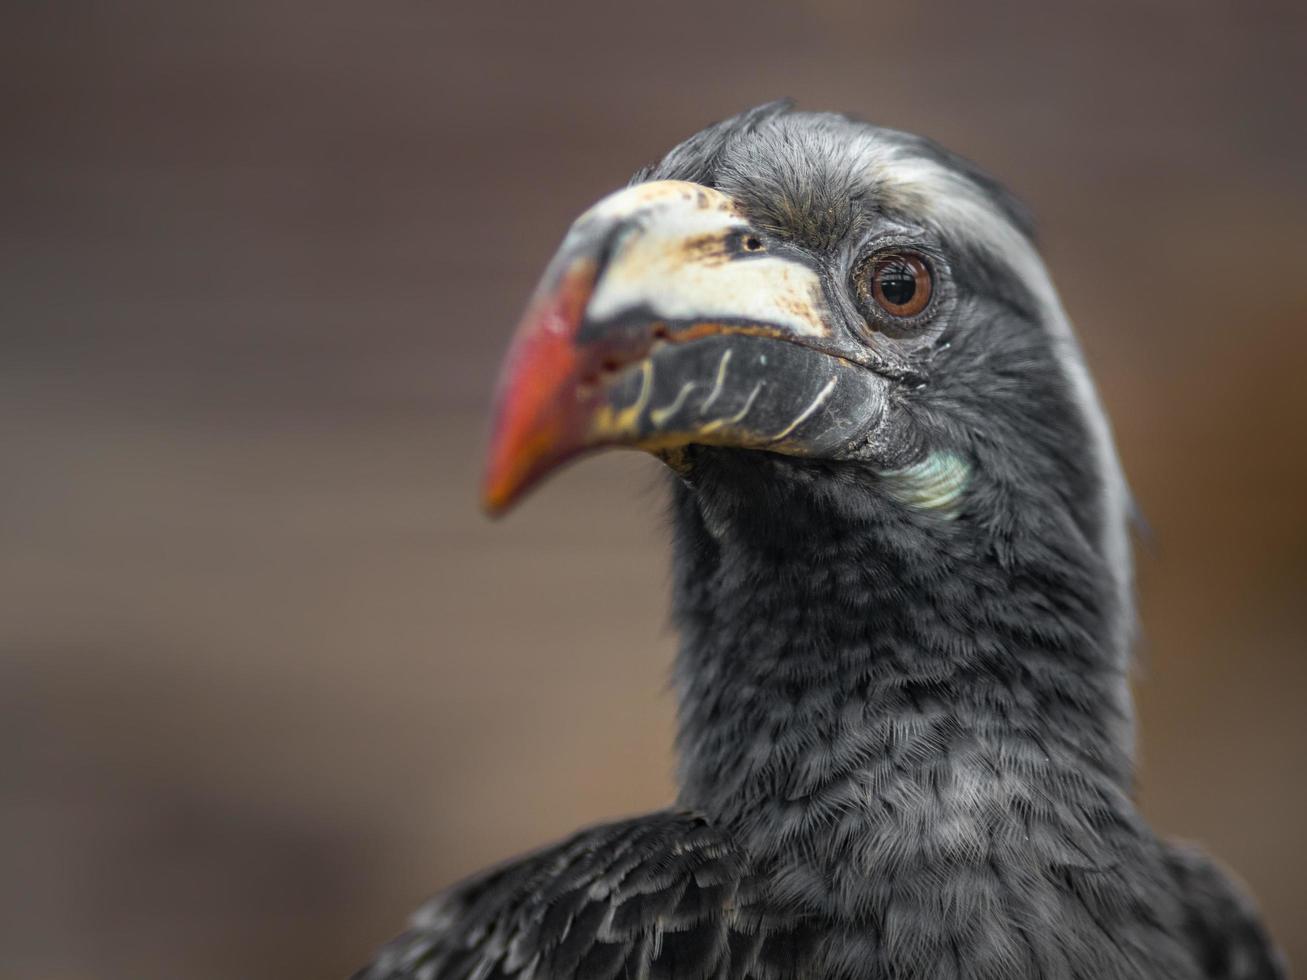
column 268, row 677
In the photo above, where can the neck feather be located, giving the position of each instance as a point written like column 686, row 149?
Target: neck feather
column 850, row 664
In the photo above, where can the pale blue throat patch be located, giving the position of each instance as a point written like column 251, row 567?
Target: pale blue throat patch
column 936, row 484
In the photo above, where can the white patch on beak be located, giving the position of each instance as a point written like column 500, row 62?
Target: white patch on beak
column 680, row 260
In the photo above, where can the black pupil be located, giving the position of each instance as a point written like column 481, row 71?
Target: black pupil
column 897, row 281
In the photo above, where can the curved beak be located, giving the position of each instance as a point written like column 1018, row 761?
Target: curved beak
column 665, row 321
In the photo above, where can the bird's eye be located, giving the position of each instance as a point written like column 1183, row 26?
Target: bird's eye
column 898, row 283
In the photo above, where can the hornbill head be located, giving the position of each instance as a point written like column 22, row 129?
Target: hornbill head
column 804, row 294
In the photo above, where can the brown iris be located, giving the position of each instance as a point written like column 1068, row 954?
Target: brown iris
column 899, row 283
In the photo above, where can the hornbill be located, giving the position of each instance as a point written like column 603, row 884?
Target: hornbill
column 902, row 582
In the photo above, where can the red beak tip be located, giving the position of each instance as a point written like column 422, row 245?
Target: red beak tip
column 538, row 419
column 494, row 507
column 497, row 497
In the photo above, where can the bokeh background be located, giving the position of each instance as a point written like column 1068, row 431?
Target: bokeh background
column 268, row 678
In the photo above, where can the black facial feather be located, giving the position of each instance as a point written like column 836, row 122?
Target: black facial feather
column 696, row 159
column 904, row 732
column 1004, row 201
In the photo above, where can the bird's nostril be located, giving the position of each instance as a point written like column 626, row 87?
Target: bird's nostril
column 660, row 331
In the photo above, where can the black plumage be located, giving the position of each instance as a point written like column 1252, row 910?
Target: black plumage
column 905, row 727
